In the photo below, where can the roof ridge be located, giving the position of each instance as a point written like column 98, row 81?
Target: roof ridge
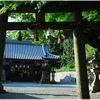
column 19, row 42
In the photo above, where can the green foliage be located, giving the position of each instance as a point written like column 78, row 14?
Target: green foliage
column 40, row 3
column 58, row 17
column 12, row 5
column 45, row 67
column 9, row 5
column 23, row 17
column 70, row 66
column 25, row 36
column 68, row 51
column 91, row 15
column 89, row 66
column 54, row 47
column 14, row 34
column 89, row 51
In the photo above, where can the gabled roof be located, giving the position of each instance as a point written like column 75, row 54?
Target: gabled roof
column 26, row 50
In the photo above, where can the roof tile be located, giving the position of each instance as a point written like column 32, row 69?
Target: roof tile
column 15, row 49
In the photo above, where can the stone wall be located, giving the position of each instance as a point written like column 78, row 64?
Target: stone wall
column 65, row 77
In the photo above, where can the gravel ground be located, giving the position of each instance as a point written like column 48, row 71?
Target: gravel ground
column 24, row 90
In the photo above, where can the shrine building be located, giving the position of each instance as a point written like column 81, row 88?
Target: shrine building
column 25, row 60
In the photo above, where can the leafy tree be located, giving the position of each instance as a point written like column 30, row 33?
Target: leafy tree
column 12, row 5
column 58, row 17
column 54, row 47
column 68, row 51
column 23, row 17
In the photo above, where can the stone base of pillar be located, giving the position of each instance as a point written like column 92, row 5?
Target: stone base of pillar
column 96, row 83
column 95, row 89
column 3, row 78
column 45, row 78
column 2, row 89
column 53, row 82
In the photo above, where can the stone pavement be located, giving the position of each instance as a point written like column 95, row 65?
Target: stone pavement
column 30, row 90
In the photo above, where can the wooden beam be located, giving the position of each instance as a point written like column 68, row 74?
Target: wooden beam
column 92, row 25
column 52, row 25
column 39, row 26
column 65, row 6
column 25, row 9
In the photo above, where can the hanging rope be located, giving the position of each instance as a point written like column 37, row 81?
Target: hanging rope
column 60, row 37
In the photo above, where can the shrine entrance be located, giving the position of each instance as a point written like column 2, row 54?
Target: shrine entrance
column 22, row 73
column 18, row 73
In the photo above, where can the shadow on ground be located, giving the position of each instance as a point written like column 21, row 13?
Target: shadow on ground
column 32, row 96
column 16, row 96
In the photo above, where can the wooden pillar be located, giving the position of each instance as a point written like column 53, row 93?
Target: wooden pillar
column 80, row 58
column 39, row 18
column 33, row 72
column 3, row 21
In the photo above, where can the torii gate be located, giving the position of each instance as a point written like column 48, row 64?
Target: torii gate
column 78, row 35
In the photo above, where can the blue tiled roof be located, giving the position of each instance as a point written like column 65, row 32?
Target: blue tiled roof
column 48, row 54
column 15, row 49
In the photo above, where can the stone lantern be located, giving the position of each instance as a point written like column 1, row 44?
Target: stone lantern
column 95, row 86
column 3, row 77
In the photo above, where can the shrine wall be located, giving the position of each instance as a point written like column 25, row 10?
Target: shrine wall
column 65, row 77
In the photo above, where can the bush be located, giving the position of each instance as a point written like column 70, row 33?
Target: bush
column 68, row 67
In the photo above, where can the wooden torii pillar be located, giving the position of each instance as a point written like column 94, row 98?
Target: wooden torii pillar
column 3, row 21
column 39, row 18
column 80, row 58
